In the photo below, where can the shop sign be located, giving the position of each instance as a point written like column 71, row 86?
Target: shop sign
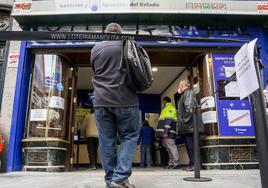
column 245, row 69
column 22, row 6
column 139, row 6
column 262, row 7
column 13, row 59
column 234, row 115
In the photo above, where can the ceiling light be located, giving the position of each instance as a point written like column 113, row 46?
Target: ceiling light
column 154, row 69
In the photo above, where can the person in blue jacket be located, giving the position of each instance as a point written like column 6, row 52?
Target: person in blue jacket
column 146, row 138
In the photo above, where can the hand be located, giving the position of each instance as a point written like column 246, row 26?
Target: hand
column 165, row 135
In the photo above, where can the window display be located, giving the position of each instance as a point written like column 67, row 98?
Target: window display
column 49, row 94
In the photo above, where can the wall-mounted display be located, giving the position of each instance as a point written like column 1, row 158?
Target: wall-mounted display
column 234, row 115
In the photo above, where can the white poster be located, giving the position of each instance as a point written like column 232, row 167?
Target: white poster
column 245, row 70
column 232, row 90
column 56, row 102
column 239, row 118
column 209, row 117
column 207, row 102
column 229, row 71
column 38, row 115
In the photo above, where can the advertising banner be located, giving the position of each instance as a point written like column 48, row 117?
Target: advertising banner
column 234, row 115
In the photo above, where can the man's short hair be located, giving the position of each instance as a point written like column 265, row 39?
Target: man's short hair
column 167, row 99
column 185, row 82
column 113, row 28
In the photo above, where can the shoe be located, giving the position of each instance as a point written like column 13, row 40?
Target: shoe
column 92, row 168
column 190, row 168
column 123, row 184
column 176, row 166
column 142, row 166
column 169, row 167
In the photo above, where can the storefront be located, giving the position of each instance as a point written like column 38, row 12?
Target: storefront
column 52, row 75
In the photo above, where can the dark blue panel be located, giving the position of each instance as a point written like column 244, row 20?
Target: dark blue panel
column 84, row 99
column 150, row 103
column 19, row 110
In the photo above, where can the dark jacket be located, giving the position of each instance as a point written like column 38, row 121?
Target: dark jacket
column 147, row 135
column 186, row 106
column 110, row 89
column 167, row 122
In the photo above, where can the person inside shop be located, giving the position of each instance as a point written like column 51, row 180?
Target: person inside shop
column 187, row 105
column 167, row 132
column 146, row 140
column 91, row 133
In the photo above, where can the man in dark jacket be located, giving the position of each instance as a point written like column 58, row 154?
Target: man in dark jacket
column 116, row 111
column 147, row 137
column 167, row 131
column 187, row 105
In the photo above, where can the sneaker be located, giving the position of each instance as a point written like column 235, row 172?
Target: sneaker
column 190, row 168
column 123, row 184
column 169, row 167
column 92, row 168
column 176, row 166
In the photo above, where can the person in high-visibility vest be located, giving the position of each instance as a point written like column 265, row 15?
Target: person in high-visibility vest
column 166, row 130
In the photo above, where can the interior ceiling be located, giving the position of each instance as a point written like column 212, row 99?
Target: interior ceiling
column 159, row 56
column 169, row 61
column 162, row 78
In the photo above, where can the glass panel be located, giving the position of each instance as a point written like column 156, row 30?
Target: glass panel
column 49, row 97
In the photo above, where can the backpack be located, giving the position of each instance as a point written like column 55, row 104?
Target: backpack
column 138, row 66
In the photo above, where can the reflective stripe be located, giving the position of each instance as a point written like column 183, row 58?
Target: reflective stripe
column 161, row 130
column 168, row 126
column 172, row 131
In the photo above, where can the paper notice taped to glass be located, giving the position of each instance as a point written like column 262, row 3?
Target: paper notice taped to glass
column 245, row 70
column 209, row 117
column 207, row 102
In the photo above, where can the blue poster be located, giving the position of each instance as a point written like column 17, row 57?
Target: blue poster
column 234, row 115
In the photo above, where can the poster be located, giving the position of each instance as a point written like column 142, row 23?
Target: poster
column 231, row 90
column 245, row 69
column 38, row 114
column 234, row 115
column 207, row 102
column 56, row 102
column 209, row 117
column 13, row 59
column 152, row 119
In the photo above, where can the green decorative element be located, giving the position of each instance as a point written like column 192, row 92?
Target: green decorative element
column 206, row 6
column 44, row 156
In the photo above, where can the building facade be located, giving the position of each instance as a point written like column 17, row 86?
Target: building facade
column 210, row 34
